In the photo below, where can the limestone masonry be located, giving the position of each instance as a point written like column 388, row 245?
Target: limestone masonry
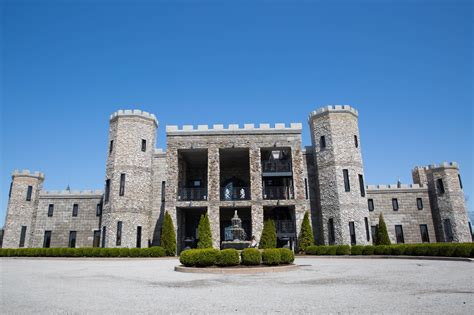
column 262, row 171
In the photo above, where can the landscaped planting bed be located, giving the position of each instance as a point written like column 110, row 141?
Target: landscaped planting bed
column 155, row 251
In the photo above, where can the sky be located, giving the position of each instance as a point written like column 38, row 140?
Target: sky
column 67, row 65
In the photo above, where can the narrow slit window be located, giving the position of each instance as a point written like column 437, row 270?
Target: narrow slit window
column 122, row 185
column 352, row 232
column 119, row 234
column 395, row 204
column 22, row 236
column 440, row 186
column 460, row 181
column 399, row 234
column 419, row 203
column 163, row 191
column 361, row 184
column 107, row 191
column 371, row 204
column 111, row 146
column 448, row 230
column 75, row 210
column 356, row 141
column 29, row 192
column 50, row 210
column 425, row 238
column 367, row 232
column 139, row 236
column 331, row 234
column 322, row 142
column 306, row 188
column 72, row 239
column 98, row 210
column 96, row 240
column 104, row 232
column 47, row 239
column 143, row 145
column 347, row 185
column 373, row 231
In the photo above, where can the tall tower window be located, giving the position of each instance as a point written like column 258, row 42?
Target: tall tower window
column 139, row 236
column 399, row 234
column 367, row 233
column 107, row 191
column 440, row 186
column 47, row 239
column 163, row 191
column 29, row 192
column 373, row 231
column 395, row 204
column 75, row 210
column 425, row 237
column 22, row 236
column 352, row 232
column 122, row 185
column 347, row 185
column 356, row 142
column 143, row 145
column 98, row 210
column 96, row 240
column 331, row 234
column 460, row 181
column 419, row 203
column 111, row 146
column 72, row 239
column 322, row 142
column 119, row 233
column 306, row 188
column 50, row 210
column 362, row 186
column 448, row 230
column 104, row 230
column 371, row 204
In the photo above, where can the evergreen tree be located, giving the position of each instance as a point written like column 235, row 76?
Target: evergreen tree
column 306, row 237
column 204, row 232
column 269, row 237
column 168, row 236
column 381, row 234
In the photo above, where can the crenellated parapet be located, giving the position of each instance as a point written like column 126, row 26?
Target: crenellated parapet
column 333, row 109
column 454, row 165
column 233, row 129
column 70, row 193
column 396, row 187
column 134, row 112
column 27, row 173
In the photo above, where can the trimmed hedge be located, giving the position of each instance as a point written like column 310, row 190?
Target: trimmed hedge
column 434, row 249
column 199, row 257
column 286, row 256
column 228, row 257
column 271, row 256
column 83, row 252
column 251, row 257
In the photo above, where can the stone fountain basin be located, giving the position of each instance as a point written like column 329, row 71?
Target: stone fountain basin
column 238, row 245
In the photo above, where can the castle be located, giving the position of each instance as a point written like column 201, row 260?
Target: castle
column 261, row 171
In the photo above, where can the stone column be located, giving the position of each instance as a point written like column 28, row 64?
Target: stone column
column 214, row 220
column 298, row 181
column 257, row 221
column 255, row 173
column 213, row 193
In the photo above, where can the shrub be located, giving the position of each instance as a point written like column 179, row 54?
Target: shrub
column 286, row 256
column 368, row 250
column 228, row 257
column 168, row 236
column 124, row 252
column 357, row 250
column 317, row 250
column 382, row 250
column 271, row 256
column 446, row 250
column 134, row 252
column 462, row 250
column 398, row 249
column 251, row 257
column 206, row 257
column 188, row 258
column 381, row 234
column 204, row 232
column 343, row 250
column 155, row 251
column 306, row 238
column 269, row 238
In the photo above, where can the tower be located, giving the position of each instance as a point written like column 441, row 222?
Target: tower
column 447, row 201
column 22, row 206
column 128, row 184
column 343, row 215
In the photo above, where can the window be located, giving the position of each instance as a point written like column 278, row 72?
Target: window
column 98, row 210
column 470, row 230
column 72, row 239
column 96, row 241
column 322, row 142
column 356, row 142
column 371, row 204
column 47, row 239
column 22, row 236
column 10, row 191
column 373, row 230
column 460, row 181
column 448, row 231
column 104, row 230
column 111, row 146
column 306, row 187
column 352, row 232
column 107, row 191
column 28, row 193
column 163, row 191
column 50, row 210
column 425, row 238
column 367, row 229
column 419, row 203
column 440, row 186
column 331, row 235
column 347, row 185
column 139, row 236
column 361, row 184
column 395, row 204
column 399, row 234
column 143, row 145
column 119, row 233
column 122, row 185
column 75, row 210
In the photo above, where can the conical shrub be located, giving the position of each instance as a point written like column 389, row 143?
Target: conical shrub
column 306, row 236
column 204, row 232
column 269, row 237
column 168, row 236
column 381, row 234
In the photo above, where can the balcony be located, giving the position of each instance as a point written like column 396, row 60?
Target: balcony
column 278, row 193
column 276, row 166
column 192, row 194
column 235, row 193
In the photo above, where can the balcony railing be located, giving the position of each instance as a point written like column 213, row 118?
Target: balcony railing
column 235, row 193
column 276, row 166
column 278, row 193
column 285, row 226
column 192, row 194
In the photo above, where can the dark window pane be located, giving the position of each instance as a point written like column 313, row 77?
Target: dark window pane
column 425, row 238
column 98, row 210
column 306, row 187
column 371, row 204
column 322, row 142
column 163, row 191
column 122, row 185
column 119, row 233
column 347, row 185
column 373, row 230
column 395, row 204
column 356, row 141
column 440, row 186
column 419, row 203
column 331, row 236
column 399, row 234
column 72, row 239
column 460, row 181
column 47, row 239
column 111, row 146
column 96, row 241
column 352, row 233
column 50, row 210
column 361, row 184
column 139, row 236
column 29, row 192
column 367, row 232
column 448, row 231
column 22, row 236
column 75, row 210
column 107, row 191
column 143, row 145
column 104, row 230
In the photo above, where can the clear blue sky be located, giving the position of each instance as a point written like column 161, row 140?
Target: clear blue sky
column 67, row 65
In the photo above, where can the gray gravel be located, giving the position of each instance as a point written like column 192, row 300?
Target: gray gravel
column 320, row 286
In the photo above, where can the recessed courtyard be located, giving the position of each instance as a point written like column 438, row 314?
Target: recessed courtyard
column 347, row 285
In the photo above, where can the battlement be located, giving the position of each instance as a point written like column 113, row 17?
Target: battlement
column 27, row 173
column 334, row 109
column 159, row 151
column 233, row 129
column 134, row 112
column 70, row 193
column 436, row 166
column 396, row 187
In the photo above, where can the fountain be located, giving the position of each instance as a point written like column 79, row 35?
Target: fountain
column 238, row 235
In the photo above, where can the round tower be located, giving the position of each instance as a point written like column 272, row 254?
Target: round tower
column 343, row 215
column 22, row 207
column 128, row 183
column 448, row 203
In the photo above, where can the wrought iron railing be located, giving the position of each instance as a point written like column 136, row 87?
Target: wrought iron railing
column 278, row 193
column 274, row 166
column 235, row 193
column 192, row 194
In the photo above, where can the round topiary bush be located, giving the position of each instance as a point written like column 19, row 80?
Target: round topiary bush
column 286, row 256
column 251, row 257
column 228, row 257
column 271, row 257
column 188, row 258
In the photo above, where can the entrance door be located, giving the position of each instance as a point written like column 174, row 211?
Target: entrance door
column 96, row 241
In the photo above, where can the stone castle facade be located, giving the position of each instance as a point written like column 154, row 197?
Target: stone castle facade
column 261, row 171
